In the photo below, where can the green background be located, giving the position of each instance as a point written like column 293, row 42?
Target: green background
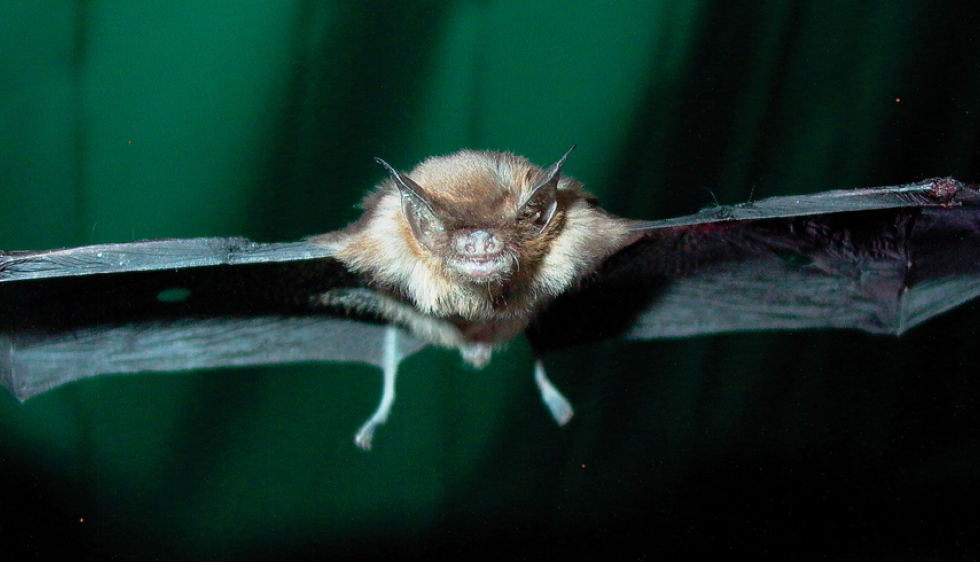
column 124, row 120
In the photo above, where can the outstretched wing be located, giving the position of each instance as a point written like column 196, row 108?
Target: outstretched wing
column 881, row 260
column 171, row 305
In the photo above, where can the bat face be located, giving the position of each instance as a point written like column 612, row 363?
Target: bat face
column 486, row 216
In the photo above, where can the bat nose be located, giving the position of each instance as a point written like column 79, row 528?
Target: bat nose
column 478, row 243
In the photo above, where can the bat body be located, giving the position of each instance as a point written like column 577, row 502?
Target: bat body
column 472, row 256
column 466, row 250
column 469, row 250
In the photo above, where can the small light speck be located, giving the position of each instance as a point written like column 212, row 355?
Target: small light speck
column 175, row 294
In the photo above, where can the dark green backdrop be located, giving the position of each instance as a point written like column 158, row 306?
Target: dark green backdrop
column 122, row 120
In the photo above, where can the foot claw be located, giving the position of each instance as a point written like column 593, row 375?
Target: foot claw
column 365, row 435
column 559, row 406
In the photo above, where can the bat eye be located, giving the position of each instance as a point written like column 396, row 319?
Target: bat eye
column 536, row 216
column 540, row 207
column 531, row 216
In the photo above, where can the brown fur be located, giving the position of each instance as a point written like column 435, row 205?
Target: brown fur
column 473, row 189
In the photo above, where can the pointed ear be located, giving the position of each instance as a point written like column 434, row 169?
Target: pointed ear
column 419, row 213
column 405, row 184
column 541, row 205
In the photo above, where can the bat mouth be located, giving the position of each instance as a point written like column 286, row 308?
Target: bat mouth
column 483, row 269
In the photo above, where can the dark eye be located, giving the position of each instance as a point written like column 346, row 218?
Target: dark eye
column 532, row 216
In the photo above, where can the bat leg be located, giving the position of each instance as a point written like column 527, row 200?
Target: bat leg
column 390, row 361
column 559, row 406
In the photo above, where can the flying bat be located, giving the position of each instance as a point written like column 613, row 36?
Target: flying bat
column 468, row 251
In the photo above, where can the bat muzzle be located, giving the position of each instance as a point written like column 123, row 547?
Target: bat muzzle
column 483, row 269
column 480, row 256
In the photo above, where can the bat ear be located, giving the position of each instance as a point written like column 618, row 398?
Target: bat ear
column 418, row 211
column 405, row 184
column 541, row 205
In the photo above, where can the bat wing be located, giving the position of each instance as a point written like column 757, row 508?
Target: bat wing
column 881, row 260
column 171, row 305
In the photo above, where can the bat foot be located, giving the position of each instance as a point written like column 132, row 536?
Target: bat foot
column 559, row 406
column 366, row 434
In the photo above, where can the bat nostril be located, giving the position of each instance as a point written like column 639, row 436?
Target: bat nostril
column 477, row 243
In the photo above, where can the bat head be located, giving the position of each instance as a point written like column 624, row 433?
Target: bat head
column 486, row 216
column 477, row 235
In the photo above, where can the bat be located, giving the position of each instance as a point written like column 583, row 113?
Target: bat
column 470, row 250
